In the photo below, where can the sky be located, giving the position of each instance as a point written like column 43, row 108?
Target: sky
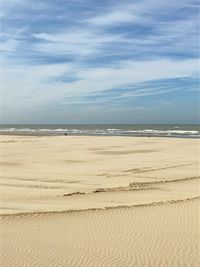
column 92, row 61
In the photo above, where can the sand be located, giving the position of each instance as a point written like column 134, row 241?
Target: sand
column 99, row 201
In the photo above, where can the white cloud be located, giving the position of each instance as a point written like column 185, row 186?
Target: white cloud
column 157, row 48
column 114, row 17
column 137, row 12
column 31, row 85
column 9, row 45
column 79, row 42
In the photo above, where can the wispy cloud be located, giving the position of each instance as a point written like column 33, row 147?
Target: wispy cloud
column 77, row 42
column 35, row 80
column 77, row 52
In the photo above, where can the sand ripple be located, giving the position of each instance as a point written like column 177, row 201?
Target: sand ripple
column 161, row 235
column 88, row 201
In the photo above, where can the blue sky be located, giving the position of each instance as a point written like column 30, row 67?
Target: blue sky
column 89, row 61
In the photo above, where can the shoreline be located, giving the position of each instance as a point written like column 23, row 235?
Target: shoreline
column 97, row 135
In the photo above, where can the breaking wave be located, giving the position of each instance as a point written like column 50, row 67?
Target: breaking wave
column 176, row 131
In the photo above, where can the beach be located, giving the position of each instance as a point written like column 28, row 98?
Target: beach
column 99, row 201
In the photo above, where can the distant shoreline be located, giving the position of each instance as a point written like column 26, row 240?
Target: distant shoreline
column 146, row 130
column 93, row 135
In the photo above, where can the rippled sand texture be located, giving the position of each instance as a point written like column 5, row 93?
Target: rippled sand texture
column 99, row 201
column 163, row 235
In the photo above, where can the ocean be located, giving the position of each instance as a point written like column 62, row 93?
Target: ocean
column 190, row 131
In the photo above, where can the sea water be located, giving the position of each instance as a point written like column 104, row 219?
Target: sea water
column 104, row 130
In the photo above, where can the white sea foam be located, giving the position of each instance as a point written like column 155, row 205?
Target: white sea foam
column 170, row 131
column 105, row 131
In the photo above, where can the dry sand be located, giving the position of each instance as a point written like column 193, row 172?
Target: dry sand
column 99, row 201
